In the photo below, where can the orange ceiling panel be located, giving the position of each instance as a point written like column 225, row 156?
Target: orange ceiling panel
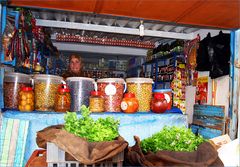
column 163, row 10
column 211, row 13
column 220, row 13
column 69, row 5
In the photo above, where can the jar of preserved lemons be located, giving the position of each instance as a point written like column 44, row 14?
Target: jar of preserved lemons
column 26, row 99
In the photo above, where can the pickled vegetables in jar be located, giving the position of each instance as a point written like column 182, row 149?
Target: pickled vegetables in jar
column 96, row 102
column 112, row 90
column 26, row 99
column 63, row 99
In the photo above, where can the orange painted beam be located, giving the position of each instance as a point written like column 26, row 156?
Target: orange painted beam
column 211, row 13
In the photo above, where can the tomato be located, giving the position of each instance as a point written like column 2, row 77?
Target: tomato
column 129, row 103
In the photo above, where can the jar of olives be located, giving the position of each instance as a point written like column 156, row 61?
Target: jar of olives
column 63, row 99
column 142, row 88
column 26, row 99
column 45, row 90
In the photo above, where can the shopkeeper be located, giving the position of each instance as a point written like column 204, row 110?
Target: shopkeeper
column 75, row 67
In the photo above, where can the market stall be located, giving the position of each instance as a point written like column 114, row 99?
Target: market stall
column 160, row 74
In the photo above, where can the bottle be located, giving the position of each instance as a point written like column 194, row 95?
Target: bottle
column 129, row 103
column 63, row 99
column 96, row 102
column 26, row 99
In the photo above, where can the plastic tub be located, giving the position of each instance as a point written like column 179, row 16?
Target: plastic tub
column 112, row 90
column 167, row 94
column 45, row 89
column 142, row 88
column 80, row 89
column 13, row 82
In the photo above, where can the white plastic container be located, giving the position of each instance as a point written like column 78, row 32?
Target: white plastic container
column 142, row 88
column 112, row 90
column 13, row 82
column 80, row 88
column 45, row 89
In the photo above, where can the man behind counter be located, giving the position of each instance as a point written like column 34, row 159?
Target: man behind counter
column 75, row 67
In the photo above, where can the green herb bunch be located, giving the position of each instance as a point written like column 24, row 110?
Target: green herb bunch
column 172, row 139
column 103, row 129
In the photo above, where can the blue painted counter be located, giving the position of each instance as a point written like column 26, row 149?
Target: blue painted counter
column 140, row 124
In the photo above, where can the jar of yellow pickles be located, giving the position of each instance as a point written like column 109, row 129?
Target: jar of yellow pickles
column 26, row 99
column 96, row 102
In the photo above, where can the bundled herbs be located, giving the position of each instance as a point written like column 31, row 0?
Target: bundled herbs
column 172, row 139
column 102, row 129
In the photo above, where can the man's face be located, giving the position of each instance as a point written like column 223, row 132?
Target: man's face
column 75, row 65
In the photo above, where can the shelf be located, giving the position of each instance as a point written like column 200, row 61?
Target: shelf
column 170, row 55
column 159, row 81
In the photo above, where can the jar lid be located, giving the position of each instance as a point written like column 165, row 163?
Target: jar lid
column 26, row 89
column 16, row 77
column 45, row 76
column 96, row 93
column 159, row 96
column 129, row 95
column 108, row 80
column 62, row 88
column 14, row 74
column 162, row 90
column 79, row 79
column 139, row 80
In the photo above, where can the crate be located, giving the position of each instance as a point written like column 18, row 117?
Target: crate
column 56, row 158
column 35, row 154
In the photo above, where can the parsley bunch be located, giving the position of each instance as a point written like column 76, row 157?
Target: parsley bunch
column 172, row 139
column 103, row 129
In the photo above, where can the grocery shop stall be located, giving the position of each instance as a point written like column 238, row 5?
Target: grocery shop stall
column 128, row 47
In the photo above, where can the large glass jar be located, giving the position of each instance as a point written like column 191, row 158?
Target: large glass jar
column 26, row 99
column 96, row 102
column 112, row 90
column 142, row 88
column 13, row 82
column 63, row 99
column 45, row 89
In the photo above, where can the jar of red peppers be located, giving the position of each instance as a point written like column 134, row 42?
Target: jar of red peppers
column 159, row 103
column 96, row 102
column 129, row 103
column 63, row 99
column 112, row 90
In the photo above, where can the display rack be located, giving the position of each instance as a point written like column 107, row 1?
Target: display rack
column 162, row 66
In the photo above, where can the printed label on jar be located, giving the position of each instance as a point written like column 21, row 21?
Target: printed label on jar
column 124, row 105
column 167, row 97
column 110, row 90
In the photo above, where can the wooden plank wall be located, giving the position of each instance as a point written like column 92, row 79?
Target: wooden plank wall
column 209, row 121
column 234, row 109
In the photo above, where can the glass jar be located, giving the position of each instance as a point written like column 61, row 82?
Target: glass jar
column 167, row 95
column 63, row 99
column 13, row 82
column 96, row 102
column 26, row 99
column 129, row 103
column 45, row 89
column 112, row 90
column 159, row 103
column 142, row 88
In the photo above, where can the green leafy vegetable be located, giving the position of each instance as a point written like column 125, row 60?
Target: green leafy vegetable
column 103, row 129
column 172, row 139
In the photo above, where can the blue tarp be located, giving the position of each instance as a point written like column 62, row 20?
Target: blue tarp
column 139, row 124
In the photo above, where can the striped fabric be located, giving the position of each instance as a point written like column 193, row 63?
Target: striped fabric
column 13, row 136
